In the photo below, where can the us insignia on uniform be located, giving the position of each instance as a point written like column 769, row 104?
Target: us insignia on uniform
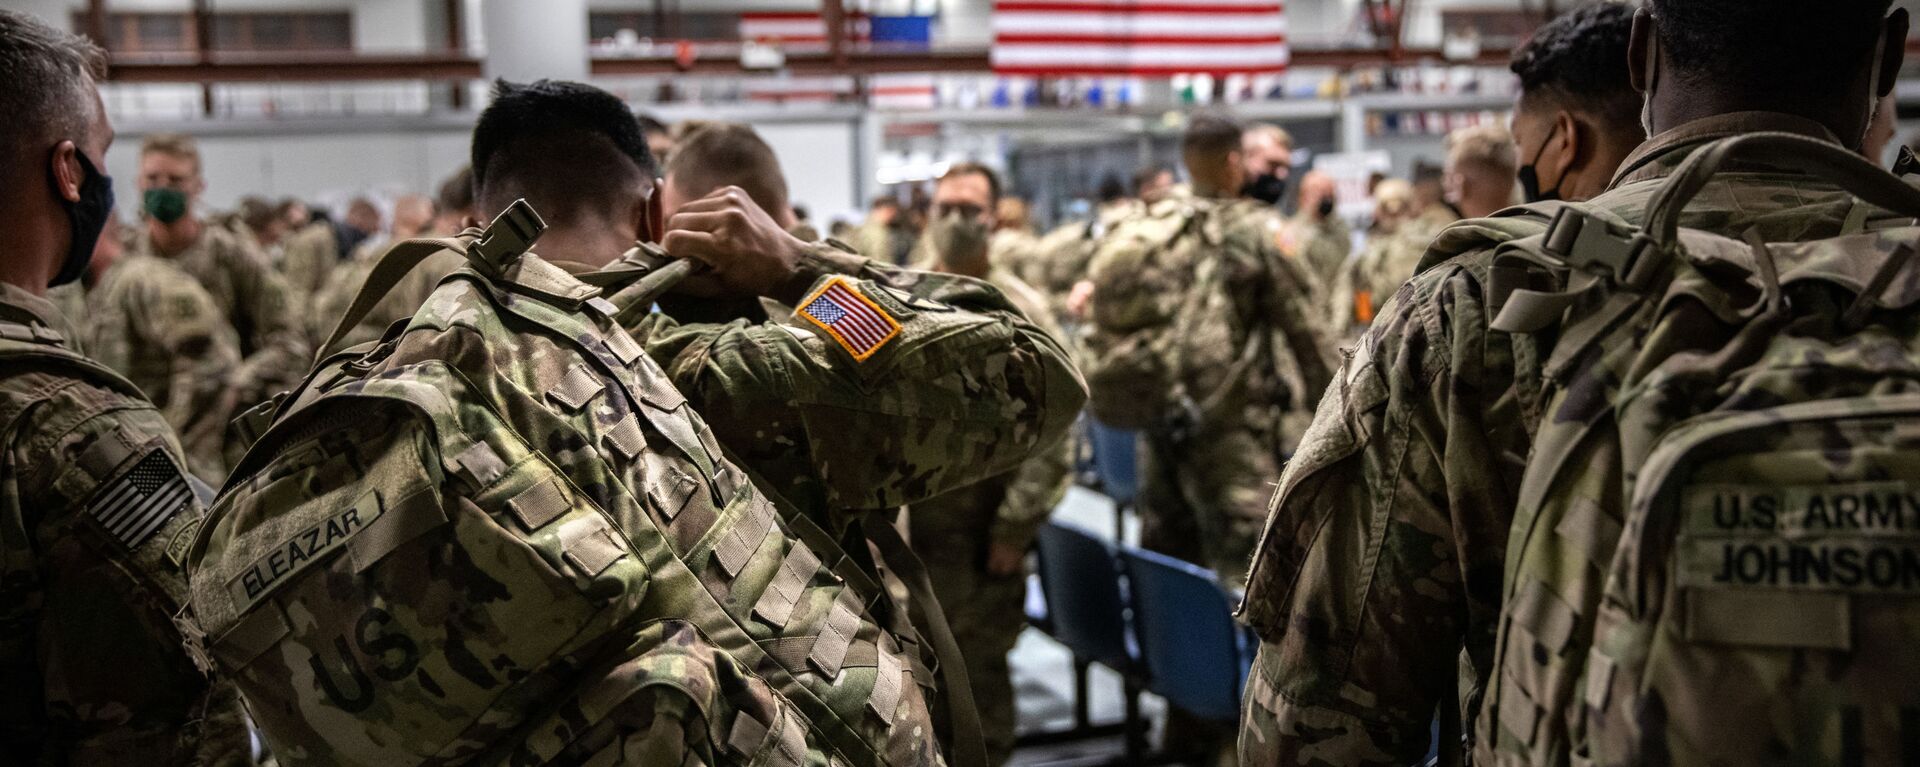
column 136, row 504
column 850, row 317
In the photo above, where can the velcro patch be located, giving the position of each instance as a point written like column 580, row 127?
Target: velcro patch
column 138, row 502
column 302, row 549
column 853, row 319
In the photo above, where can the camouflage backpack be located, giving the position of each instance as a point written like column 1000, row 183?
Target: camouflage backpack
column 1715, row 555
column 500, row 534
column 1158, row 281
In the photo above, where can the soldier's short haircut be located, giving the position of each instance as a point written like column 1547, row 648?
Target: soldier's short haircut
column 173, row 145
column 1775, row 48
column 728, row 154
column 46, row 87
column 1111, row 188
column 1275, row 133
column 456, row 193
column 566, row 147
column 1579, row 62
column 1210, row 136
column 969, row 168
column 1488, row 148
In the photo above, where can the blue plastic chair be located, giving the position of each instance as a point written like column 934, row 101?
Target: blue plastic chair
column 1081, row 582
column 1194, row 653
column 1116, row 461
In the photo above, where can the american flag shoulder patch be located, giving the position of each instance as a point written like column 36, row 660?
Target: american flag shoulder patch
column 137, row 503
column 850, row 317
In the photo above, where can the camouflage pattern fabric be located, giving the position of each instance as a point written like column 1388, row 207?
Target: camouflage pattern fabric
column 256, row 301
column 951, row 533
column 92, row 669
column 1361, row 288
column 1725, row 442
column 1015, row 251
column 887, row 244
column 330, row 303
column 154, row 324
column 1384, row 554
column 307, row 259
column 1207, row 337
column 1323, row 245
column 529, row 545
column 1068, row 249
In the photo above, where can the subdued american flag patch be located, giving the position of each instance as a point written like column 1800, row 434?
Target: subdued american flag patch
column 855, row 321
column 136, row 504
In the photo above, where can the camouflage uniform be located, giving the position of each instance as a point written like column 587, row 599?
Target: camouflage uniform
column 1204, row 484
column 1015, row 251
column 256, row 301
column 307, row 257
column 1383, row 559
column 886, row 244
column 1363, row 285
column 92, row 670
column 330, row 303
column 155, row 325
column 653, row 597
column 951, row 533
column 1067, row 250
column 1323, row 245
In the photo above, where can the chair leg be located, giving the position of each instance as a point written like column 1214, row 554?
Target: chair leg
column 1136, row 737
column 1082, row 709
column 1120, row 523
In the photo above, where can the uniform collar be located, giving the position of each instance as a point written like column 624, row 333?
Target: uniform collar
column 1661, row 154
column 18, row 305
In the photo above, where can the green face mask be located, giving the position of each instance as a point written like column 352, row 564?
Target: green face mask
column 165, row 205
column 960, row 241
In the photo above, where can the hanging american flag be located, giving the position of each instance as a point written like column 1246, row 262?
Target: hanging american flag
column 1146, row 38
column 853, row 319
column 136, row 504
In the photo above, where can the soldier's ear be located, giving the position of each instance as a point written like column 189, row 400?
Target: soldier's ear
column 650, row 221
column 64, row 165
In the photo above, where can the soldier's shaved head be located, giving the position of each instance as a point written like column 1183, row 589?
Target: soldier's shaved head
column 572, row 150
column 1828, row 61
column 1211, row 150
column 718, row 154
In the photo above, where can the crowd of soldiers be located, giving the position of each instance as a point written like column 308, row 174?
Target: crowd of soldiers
column 538, row 492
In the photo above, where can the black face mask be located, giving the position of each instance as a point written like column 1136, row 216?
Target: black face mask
column 1326, row 207
column 1267, row 188
column 85, row 219
column 1530, row 176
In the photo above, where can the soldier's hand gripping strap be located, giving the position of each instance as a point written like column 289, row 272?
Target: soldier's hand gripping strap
column 512, row 233
column 969, row 747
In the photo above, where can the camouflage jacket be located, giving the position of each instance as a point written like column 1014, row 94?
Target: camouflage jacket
column 155, row 325
column 793, row 404
column 1250, row 298
column 687, row 622
column 254, row 298
column 1016, row 251
column 307, row 257
column 93, row 511
column 1363, row 285
column 1322, row 245
column 344, row 281
column 1011, row 507
column 1383, row 556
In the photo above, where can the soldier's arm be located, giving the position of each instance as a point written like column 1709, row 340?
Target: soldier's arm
column 1038, row 486
column 278, row 345
column 1383, row 549
column 966, row 389
column 108, row 678
column 201, row 353
column 1292, row 302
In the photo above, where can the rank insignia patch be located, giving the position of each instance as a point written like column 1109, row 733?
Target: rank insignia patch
column 854, row 320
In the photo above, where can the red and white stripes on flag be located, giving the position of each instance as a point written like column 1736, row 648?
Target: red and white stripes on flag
column 1144, row 38
column 799, row 27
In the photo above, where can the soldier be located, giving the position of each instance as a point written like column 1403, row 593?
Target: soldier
column 1480, row 170
column 1234, row 325
column 154, row 324
column 692, row 482
column 1267, row 152
column 1314, row 234
column 1577, row 115
column 974, row 540
column 1383, row 559
column 453, row 205
column 412, row 215
column 727, row 154
column 252, row 295
column 1152, row 184
column 1394, row 246
column 887, row 234
column 96, row 510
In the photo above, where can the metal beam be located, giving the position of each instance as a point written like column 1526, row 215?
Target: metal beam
column 97, row 23
column 237, row 68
